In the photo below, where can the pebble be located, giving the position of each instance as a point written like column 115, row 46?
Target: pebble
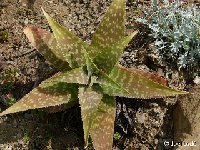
column 19, row 135
column 8, row 147
column 156, row 141
column 26, row 21
column 197, row 80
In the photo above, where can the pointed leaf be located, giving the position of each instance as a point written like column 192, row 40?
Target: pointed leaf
column 109, row 57
column 93, row 70
column 46, row 44
column 112, row 27
column 89, row 101
column 44, row 97
column 103, row 126
column 137, row 85
column 112, row 83
column 152, row 76
column 76, row 75
column 91, row 67
column 71, row 46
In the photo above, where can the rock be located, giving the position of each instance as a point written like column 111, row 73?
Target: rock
column 187, row 119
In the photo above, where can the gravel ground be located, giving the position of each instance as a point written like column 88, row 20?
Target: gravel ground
column 140, row 124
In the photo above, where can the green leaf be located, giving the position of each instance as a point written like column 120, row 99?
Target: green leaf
column 109, row 57
column 112, row 27
column 89, row 101
column 151, row 76
column 98, row 116
column 46, row 44
column 93, row 70
column 137, row 85
column 45, row 97
column 91, row 67
column 112, row 83
column 76, row 75
column 71, row 47
column 102, row 129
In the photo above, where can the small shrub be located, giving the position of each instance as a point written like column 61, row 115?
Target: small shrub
column 3, row 35
column 117, row 136
column 26, row 138
column 8, row 75
column 175, row 28
column 21, row 11
column 11, row 101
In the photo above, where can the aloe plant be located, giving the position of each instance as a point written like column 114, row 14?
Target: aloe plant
column 90, row 74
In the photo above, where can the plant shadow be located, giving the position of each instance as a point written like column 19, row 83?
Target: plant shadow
column 41, row 130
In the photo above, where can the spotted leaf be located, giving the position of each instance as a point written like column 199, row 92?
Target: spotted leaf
column 137, row 85
column 112, row 27
column 110, row 55
column 46, row 44
column 151, row 76
column 71, row 46
column 102, row 129
column 91, row 67
column 77, row 75
column 45, row 97
column 89, row 101
column 101, row 75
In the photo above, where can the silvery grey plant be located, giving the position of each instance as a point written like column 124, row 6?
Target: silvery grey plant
column 176, row 31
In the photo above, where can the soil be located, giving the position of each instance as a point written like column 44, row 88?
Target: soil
column 140, row 124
